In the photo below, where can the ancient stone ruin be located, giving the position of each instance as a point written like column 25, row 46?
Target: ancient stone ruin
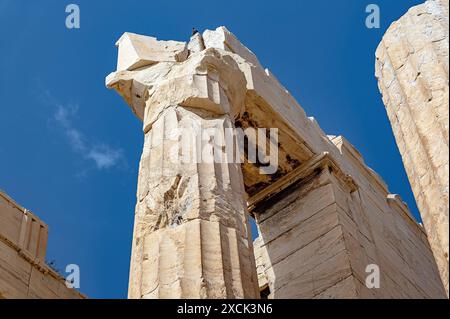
column 225, row 142
column 23, row 244
column 324, row 218
column 412, row 71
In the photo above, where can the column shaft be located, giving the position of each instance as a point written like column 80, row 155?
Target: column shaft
column 191, row 235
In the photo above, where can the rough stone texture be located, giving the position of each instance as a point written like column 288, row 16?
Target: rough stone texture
column 322, row 193
column 319, row 236
column 191, row 235
column 23, row 242
column 136, row 51
column 412, row 71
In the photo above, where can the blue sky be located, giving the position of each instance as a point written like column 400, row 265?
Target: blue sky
column 70, row 148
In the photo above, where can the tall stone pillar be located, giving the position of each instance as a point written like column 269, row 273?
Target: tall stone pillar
column 191, row 234
column 412, row 71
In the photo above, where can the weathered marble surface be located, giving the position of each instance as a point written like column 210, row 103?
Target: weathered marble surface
column 339, row 206
column 23, row 243
column 191, row 235
column 412, row 71
column 317, row 241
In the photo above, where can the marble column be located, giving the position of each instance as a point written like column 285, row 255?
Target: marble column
column 412, row 72
column 191, row 234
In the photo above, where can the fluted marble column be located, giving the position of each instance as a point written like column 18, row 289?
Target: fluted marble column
column 191, row 235
column 412, row 71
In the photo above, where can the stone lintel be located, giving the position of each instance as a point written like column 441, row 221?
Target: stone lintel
column 216, row 79
column 315, row 164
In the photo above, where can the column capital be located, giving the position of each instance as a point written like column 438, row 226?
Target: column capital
column 165, row 75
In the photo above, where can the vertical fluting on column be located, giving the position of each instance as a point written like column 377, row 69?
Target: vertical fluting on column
column 412, row 71
column 191, row 233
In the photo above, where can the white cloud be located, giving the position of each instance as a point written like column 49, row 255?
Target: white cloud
column 104, row 156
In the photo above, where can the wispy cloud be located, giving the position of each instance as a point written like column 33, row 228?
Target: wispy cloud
column 103, row 155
